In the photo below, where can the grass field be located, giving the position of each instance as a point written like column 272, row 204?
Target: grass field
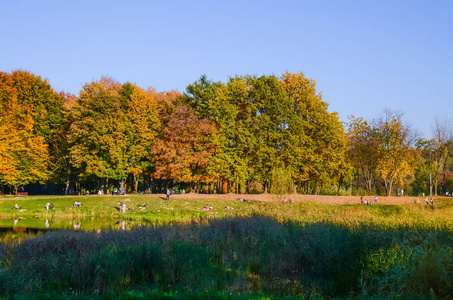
column 312, row 247
column 390, row 212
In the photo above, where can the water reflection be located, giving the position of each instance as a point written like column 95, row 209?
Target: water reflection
column 18, row 228
column 87, row 224
column 122, row 225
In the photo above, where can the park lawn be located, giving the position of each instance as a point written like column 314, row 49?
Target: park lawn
column 189, row 208
column 139, row 207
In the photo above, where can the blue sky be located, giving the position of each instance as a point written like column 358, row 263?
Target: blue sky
column 364, row 55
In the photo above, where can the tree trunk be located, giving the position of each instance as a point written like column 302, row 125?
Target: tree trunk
column 388, row 186
column 350, row 185
column 316, row 188
column 357, row 182
column 369, row 181
column 66, row 190
column 135, row 182
column 339, row 185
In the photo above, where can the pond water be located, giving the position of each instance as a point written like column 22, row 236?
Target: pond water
column 35, row 225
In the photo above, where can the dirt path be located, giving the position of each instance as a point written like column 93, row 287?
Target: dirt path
column 317, row 198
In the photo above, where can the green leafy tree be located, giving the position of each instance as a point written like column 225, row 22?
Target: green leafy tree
column 221, row 104
column 264, row 121
column 113, row 129
column 316, row 143
column 249, row 114
column 270, row 124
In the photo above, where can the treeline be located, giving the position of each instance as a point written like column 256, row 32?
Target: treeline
column 251, row 134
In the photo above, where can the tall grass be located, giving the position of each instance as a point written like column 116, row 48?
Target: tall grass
column 237, row 255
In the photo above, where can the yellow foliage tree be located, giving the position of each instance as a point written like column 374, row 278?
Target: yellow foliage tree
column 24, row 157
column 394, row 145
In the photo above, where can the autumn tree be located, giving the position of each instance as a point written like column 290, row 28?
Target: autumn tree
column 112, row 131
column 166, row 103
column 363, row 149
column 183, row 149
column 62, row 168
column 45, row 104
column 395, row 142
column 142, row 112
column 31, row 115
column 24, row 156
column 442, row 137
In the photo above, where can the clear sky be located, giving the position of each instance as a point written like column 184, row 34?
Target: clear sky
column 365, row 55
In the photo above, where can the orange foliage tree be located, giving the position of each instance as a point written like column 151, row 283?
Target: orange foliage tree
column 184, row 147
column 31, row 114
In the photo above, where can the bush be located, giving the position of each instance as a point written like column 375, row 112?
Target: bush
column 281, row 183
column 256, row 188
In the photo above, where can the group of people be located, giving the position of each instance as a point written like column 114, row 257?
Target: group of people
column 172, row 192
column 400, row 193
column 207, row 207
column 76, row 204
column 118, row 191
column 368, row 202
column 429, row 201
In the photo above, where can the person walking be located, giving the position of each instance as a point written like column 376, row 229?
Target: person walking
column 168, row 194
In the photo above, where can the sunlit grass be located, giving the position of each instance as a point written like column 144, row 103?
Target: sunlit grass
column 154, row 209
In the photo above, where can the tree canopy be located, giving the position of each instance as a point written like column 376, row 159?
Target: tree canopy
column 30, row 116
column 250, row 133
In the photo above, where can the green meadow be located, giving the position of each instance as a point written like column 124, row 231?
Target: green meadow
column 258, row 250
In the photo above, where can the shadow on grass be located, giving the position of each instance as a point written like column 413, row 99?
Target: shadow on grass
column 237, row 255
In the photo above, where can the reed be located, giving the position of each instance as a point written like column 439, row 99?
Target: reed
column 254, row 255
